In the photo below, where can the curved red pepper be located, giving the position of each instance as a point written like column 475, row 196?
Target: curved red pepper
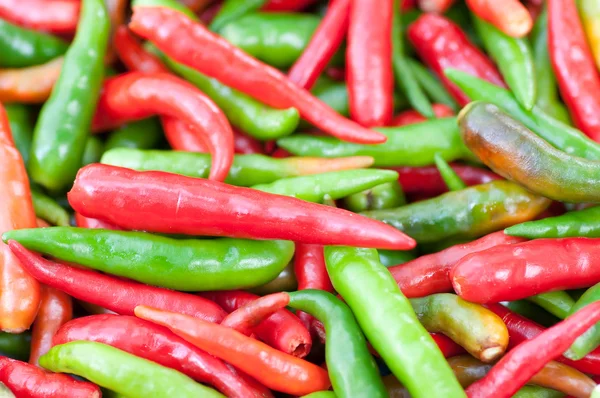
column 574, row 66
column 442, row 44
column 192, row 44
column 133, row 55
column 136, row 95
column 412, row 116
column 157, row 344
column 250, row 315
column 282, row 330
column 369, row 62
column 144, row 200
column 55, row 16
column 118, row 295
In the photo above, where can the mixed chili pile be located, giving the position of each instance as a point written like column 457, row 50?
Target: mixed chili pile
column 299, row 198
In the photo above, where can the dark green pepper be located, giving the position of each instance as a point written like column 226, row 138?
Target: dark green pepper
column 285, row 281
column 94, row 148
column 558, row 303
column 21, row 119
column 390, row 258
column 584, row 223
column 588, row 341
column 15, row 346
column 384, row 196
column 531, row 311
column 141, row 134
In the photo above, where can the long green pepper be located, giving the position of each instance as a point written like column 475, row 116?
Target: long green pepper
column 451, row 179
column 558, row 303
column 582, row 223
column 21, row 119
column 432, row 86
column 232, row 10
column 63, row 126
column 384, row 196
column 47, row 209
column 140, row 134
column 588, row 341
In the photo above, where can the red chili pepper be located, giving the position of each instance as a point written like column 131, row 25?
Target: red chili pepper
column 86, row 222
column 136, row 96
column 510, row 16
column 369, row 62
column 246, row 145
column 436, row 6
column 275, row 369
column 250, row 315
column 29, row 381
column 133, row 55
column 412, row 116
column 192, row 44
column 574, row 66
column 521, row 329
column 56, row 308
column 446, row 345
column 513, row 272
column 143, row 200
column 322, row 46
column 430, row 274
column 524, row 361
column 442, row 44
column 282, row 330
column 118, row 295
column 287, row 5
column 157, row 344
column 55, row 16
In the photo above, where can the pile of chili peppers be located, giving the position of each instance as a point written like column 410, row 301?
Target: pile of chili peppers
column 299, row 198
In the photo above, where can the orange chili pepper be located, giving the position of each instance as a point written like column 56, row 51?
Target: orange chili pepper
column 30, row 85
column 510, row 16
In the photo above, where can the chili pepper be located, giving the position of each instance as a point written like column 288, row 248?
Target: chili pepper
column 92, row 153
column 412, row 145
column 358, row 276
column 282, row 330
column 16, row 346
column 451, row 179
column 157, row 344
column 442, row 44
column 136, row 376
column 118, row 295
column 322, row 394
column 529, row 357
column 589, row 10
column 481, row 332
column 574, row 66
column 471, row 212
column 446, row 345
column 513, row 272
column 334, row 94
column 207, row 53
column 182, row 136
column 589, row 340
column 411, row 116
column 557, row 303
column 32, row 84
column 287, row 5
column 403, row 73
column 85, row 222
column 323, row 44
column 142, row 134
column 561, row 136
column 232, row 10
column 246, row 145
column 20, row 118
column 351, row 367
column 581, row 223
column 511, row 17
column 275, row 369
column 267, row 216
column 515, row 152
column 250, row 315
column 46, row 208
column 394, row 257
column 431, row 85
column 55, row 16
column 133, row 55
column 23, row 47
column 27, row 380
column 175, row 264
column 384, row 196
column 62, row 127
column 56, row 308
column 246, row 170
column 336, row 184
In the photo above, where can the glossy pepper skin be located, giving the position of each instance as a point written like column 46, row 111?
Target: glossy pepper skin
column 471, row 212
column 110, row 292
column 62, row 127
column 412, row 145
column 155, row 343
column 590, row 340
column 245, row 171
column 358, row 276
column 582, row 223
column 574, row 66
column 514, row 272
column 192, row 44
column 266, row 216
column 232, row 10
column 136, row 376
column 31, row 85
column 510, row 16
column 384, row 196
column 557, row 303
column 23, row 47
column 515, row 152
column 250, row 315
column 351, row 367
column 54, row 16
column 442, row 44
column 276, row 370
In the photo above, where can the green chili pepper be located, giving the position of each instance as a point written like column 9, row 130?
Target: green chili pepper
column 285, row 282
column 514, row 59
column 328, row 394
column 451, row 179
column 384, row 196
column 515, row 152
column 247, row 170
column 531, row 311
column 232, row 10
column 22, row 47
column 432, row 86
column 63, row 125
column 547, row 92
column 141, row 134
column 469, row 213
column 94, row 148
column 277, row 39
column 403, row 72
column 588, row 341
column 15, row 346
column 561, row 136
column 333, row 93
column 336, row 184
column 351, row 367
column 411, row 145
column 122, row 372
column 21, row 118
column 585, row 223
column 557, row 303
column 180, row 264
column 390, row 325
column 537, row 392
column 390, row 258
column 47, row 209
